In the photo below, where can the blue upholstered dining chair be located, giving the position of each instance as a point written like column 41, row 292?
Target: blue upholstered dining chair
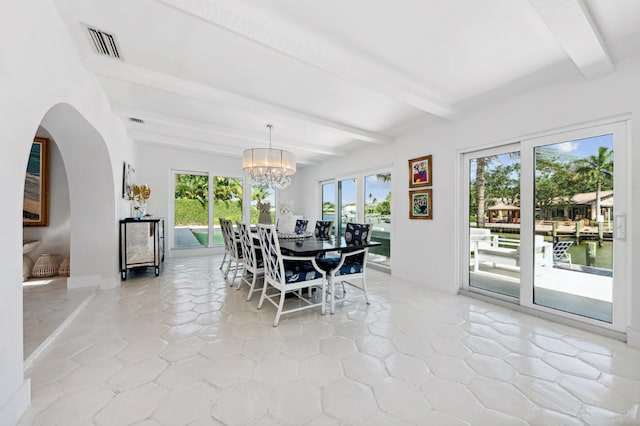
column 288, row 274
column 251, row 259
column 301, row 226
column 234, row 248
column 351, row 265
column 323, row 228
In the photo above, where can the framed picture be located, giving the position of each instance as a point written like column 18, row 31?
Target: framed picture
column 421, row 204
column 128, row 178
column 420, row 172
column 35, row 210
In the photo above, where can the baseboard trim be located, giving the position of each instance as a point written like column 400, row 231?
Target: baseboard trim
column 16, row 406
column 633, row 337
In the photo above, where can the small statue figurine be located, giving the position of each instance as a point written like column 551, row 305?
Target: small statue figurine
column 265, row 213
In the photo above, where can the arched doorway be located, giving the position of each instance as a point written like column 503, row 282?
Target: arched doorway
column 82, row 224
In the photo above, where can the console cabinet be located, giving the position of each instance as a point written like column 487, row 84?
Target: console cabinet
column 141, row 244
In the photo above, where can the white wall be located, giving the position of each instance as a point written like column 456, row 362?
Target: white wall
column 424, row 251
column 43, row 82
column 54, row 238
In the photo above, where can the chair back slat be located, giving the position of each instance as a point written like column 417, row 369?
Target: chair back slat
column 301, row 226
column 271, row 255
column 228, row 234
column 248, row 248
column 357, row 233
column 323, row 228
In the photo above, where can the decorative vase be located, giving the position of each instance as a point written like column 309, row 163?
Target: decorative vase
column 140, row 208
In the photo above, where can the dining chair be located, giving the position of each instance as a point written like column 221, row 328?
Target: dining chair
column 323, row 228
column 226, row 245
column 301, row 226
column 350, row 265
column 235, row 249
column 288, row 274
column 252, row 262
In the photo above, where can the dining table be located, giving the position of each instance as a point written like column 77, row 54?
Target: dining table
column 313, row 246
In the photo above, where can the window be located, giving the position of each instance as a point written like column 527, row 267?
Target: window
column 329, row 203
column 196, row 220
column 361, row 198
column 377, row 212
column 227, row 203
column 263, row 202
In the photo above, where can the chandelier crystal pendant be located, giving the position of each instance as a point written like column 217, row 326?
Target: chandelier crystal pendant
column 268, row 166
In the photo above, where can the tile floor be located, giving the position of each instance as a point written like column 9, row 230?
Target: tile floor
column 46, row 306
column 185, row 349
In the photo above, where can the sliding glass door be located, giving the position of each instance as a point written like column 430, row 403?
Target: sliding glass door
column 545, row 223
column 493, row 229
column 577, row 193
column 363, row 198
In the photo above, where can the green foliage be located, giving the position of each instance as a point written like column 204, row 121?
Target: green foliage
column 189, row 212
column 503, row 183
column 192, row 187
column 383, row 207
column 193, row 213
column 227, row 189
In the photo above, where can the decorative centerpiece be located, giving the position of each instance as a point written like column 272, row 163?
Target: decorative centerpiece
column 138, row 196
column 286, row 219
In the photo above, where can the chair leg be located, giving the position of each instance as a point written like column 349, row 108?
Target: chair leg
column 364, row 288
column 253, row 285
column 224, row 258
column 226, row 271
column 279, row 312
column 324, row 295
column 235, row 273
column 332, row 307
column 262, row 295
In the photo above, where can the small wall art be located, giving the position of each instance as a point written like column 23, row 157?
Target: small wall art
column 420, row 172
column 128, row 177
column 421, row 204
column 35, row 210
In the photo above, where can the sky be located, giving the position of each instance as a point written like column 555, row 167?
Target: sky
column 579, row 148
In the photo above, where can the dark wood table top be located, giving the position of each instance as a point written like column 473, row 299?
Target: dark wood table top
column 313, row 246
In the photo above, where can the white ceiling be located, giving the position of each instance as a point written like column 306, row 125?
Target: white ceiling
column 333, row 75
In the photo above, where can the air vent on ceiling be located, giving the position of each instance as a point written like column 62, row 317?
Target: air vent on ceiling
column 104, row 43
column 136, row 120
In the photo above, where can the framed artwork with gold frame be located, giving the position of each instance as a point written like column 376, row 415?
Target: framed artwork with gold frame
column 421, row 204
column 35, row 208
column 420, row 172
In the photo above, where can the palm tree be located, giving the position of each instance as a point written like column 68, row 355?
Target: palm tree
column 481, row 164
column 193, row 187
column 597, row 169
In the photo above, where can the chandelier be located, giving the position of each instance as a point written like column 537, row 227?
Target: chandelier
column 268, row 166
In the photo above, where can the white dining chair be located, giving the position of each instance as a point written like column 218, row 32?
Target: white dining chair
column 288, row 274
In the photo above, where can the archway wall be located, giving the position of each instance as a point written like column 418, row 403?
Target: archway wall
column 39, row 69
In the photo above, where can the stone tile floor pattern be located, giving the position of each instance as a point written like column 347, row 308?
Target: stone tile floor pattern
column 46, row 305
column 185, row 349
